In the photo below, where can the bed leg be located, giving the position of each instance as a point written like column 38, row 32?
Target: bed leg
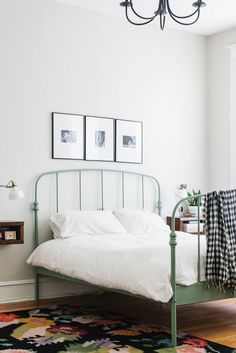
column 36, row 276
column 173, row 324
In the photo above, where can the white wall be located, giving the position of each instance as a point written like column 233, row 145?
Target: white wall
column 232, row 50
column 221, row 141
column 56, row 57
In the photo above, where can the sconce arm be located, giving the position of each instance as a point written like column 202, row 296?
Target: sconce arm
column 11, row 184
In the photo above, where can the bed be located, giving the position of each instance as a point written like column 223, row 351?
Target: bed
column 158, row 269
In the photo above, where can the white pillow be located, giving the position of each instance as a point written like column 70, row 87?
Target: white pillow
column 140, row 221
column 73, row 223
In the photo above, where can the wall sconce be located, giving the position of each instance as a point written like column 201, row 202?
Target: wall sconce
column 15, row 193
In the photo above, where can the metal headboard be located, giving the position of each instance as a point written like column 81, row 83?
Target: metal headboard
column 122, row 173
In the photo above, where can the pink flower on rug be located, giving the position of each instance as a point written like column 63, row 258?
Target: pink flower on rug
column 7, row 317
column 196, row 342
column 16, row 351
column 66, row 330
column 190, row 349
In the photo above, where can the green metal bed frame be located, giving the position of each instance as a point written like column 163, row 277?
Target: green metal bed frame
column 196, row 293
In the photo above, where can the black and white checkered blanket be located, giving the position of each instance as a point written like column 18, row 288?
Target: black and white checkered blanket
column 220, row 225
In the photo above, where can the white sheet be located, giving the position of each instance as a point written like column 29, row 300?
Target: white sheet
column 138, row 264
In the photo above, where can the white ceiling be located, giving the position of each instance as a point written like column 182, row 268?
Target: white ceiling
column 217, row 16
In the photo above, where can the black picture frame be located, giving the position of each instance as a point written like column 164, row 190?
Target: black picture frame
column 99, row 138
column 68, row 136
column 129, row 141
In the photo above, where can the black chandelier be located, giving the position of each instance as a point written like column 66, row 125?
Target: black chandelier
column 162, row 10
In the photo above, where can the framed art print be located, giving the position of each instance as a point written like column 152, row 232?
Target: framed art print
column 129, row 141
column 10, row 235
column 67, row 136
column 99, row 139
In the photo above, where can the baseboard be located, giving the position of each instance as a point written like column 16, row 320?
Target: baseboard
column 23, row 290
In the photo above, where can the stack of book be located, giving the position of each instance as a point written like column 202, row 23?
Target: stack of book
column 191, row 226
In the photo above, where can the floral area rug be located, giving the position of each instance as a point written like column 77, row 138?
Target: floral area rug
column 71, row 329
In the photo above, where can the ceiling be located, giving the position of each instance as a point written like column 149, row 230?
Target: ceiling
column 217, row 16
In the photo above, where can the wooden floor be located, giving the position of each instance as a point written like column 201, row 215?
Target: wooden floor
column 214, row 321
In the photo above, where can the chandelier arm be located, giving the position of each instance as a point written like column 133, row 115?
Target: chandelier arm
column 181, row 17
column 137, row 14
column 185, row 24
column 137, row 23
column 162, row 21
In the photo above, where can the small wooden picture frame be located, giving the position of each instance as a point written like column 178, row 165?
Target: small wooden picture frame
column 10, row 235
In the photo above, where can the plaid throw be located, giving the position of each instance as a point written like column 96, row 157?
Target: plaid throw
column 220, row 225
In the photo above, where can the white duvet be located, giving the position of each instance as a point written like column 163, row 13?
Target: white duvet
column 139, row 264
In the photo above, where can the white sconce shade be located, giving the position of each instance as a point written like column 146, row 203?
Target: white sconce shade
column 15, row 193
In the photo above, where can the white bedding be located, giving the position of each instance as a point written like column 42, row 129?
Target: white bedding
column 138, row 264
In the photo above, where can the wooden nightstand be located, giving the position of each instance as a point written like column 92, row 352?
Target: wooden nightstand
column 11, row 232
column 186, row 224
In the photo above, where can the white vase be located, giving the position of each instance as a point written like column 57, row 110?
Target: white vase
column 181, row 194
column 193, row 210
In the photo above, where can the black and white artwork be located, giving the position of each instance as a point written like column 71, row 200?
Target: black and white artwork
column 129, row 141
column 96, row 138
column 99, row 139
column 67, row 136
